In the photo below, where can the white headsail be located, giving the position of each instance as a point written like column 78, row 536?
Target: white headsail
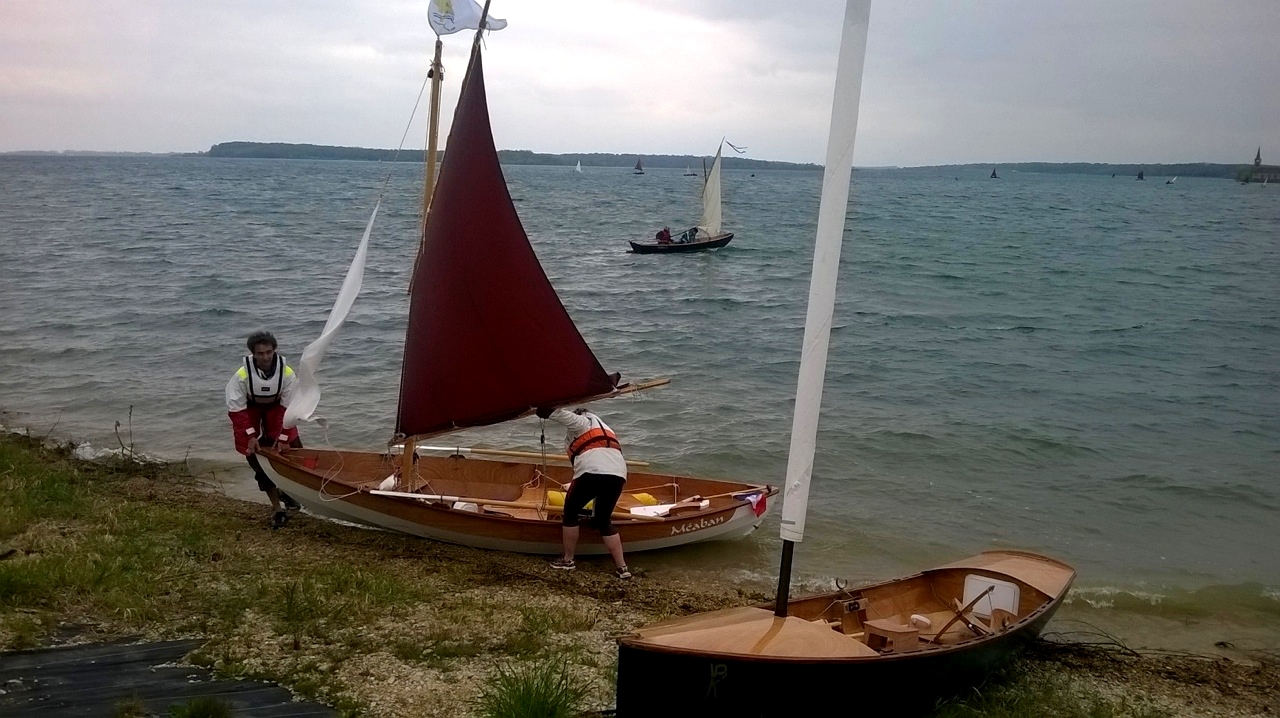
column 826, row 263
column 306, row 396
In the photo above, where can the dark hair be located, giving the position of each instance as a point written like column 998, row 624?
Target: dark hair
column 261, row 337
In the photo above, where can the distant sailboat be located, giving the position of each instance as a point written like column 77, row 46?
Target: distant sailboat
column 707, row 234
column 1175, row 179
column 639, row 167
column 993, row 174
column 578, row 169
column 1140, row 175
column 688, row 172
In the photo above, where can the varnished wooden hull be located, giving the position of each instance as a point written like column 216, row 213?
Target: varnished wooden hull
column 681, row 248
column 339, row 485
column 680, row 665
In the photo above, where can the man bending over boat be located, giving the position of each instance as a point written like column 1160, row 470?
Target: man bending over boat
column 599, row 472
column 257, row 396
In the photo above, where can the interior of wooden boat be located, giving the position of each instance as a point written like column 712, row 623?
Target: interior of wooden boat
column 933, row 610
column 517, row 487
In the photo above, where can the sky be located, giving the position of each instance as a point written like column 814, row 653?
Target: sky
column 988, row 81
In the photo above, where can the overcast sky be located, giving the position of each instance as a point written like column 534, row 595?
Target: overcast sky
column 946, row 82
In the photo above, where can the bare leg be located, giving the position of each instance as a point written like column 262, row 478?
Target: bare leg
column 569, row 536
column 614, row 544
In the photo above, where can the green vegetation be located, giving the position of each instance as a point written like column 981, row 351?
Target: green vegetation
column 532, row 690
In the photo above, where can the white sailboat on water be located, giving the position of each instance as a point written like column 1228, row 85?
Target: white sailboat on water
column 707, row 234
column 889, row 647
column 578, row 168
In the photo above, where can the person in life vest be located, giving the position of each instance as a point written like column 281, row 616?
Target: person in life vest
column 599, row 472
column 257, row 396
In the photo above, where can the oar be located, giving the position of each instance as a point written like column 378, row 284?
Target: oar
column 665, row 509
column 511, row 452
column 494, row 502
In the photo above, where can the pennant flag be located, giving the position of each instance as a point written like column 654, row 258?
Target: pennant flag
column 740, row 150
column 450, row 16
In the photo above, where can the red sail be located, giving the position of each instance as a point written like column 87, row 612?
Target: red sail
column 488, row 338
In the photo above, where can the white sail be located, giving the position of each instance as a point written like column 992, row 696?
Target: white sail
column 826, row 262
column 306, row 396
column 578, row 169
column 710, row 224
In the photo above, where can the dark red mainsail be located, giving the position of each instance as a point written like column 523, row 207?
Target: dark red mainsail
column 488, row 338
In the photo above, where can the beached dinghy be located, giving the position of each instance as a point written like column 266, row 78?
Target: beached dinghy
column 889, row 648
column 488, row 341
column 899, row 644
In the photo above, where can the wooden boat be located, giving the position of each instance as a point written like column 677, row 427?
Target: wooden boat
column 488, row 340
column 697, row 245
column 888, row 647
column 900, row 644
column 505, row 504
column 708, row 234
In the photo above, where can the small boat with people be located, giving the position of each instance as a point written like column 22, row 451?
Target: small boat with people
column 707, row 234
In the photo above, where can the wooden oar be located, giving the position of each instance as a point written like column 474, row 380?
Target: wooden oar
column 511, row 452
column 494, row 502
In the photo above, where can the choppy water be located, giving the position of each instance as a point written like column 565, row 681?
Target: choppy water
column 1078, row 365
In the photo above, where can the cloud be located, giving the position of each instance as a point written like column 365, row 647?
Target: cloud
column 999, row 80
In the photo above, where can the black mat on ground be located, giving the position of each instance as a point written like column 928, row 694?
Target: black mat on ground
column 93, row 679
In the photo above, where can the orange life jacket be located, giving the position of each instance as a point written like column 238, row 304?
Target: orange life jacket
column 597, row 437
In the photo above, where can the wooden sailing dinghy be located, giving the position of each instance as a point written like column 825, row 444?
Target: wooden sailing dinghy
column 894, row 646
column 708, row 233
column 487, row 341
column 901, row 644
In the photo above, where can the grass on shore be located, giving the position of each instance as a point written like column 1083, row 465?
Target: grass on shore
column 375, row 623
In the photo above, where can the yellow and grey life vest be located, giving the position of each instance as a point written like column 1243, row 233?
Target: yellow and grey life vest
column 260, row 389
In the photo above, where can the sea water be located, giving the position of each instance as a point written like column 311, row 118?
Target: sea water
column 1083, row 366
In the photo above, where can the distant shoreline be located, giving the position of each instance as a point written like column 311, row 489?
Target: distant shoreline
column 280, row 150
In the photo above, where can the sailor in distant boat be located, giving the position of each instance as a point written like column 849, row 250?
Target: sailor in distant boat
column 257, row 397
column 663, row 236
column 599, row 473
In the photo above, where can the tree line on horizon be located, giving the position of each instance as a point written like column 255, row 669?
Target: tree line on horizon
column 281, row 150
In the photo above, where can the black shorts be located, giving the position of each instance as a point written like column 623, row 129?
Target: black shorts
column 605, row 489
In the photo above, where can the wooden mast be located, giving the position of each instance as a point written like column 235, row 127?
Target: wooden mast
column 428, row 188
